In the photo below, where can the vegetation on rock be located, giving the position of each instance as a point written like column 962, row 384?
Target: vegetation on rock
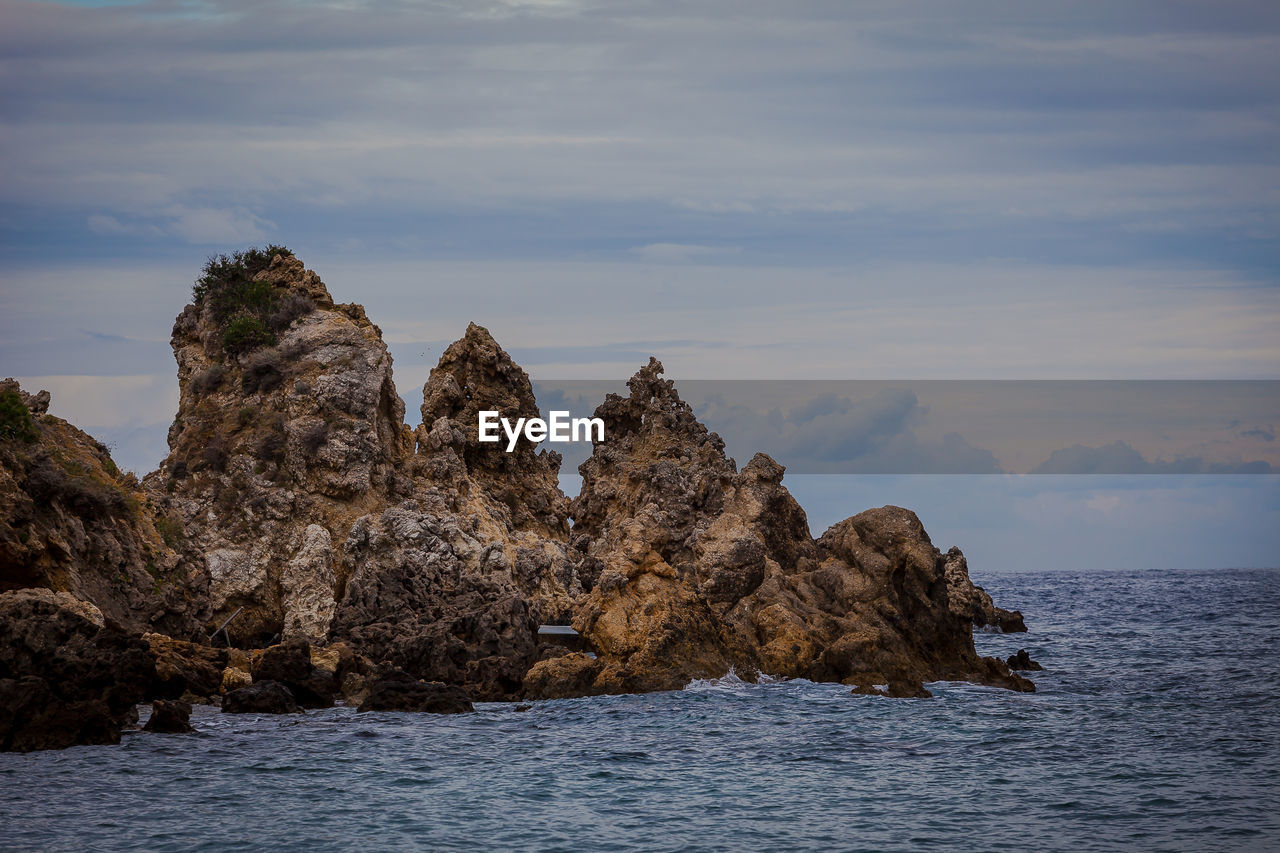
column 249, row 310
column 16, row 423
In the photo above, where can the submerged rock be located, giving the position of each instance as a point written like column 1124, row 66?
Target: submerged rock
column 67, row 676
column 261, row 697
column 895, row 689
column 169, row 717
column 1022, row 661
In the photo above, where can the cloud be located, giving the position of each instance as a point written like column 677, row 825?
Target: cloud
column 207, row 225
column 197, row 226
column 894, row 130
column 110, row 226
column 1120, row 457
column 676, row 253
column 1103, row 503
column 109, row 401
column 833, row 434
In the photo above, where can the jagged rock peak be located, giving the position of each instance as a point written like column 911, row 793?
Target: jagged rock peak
column 972, row 602
column 658, row 465
column 270, row 368
column 698, row 569
column 289, row 428
column 653, row 419
column 476, row 374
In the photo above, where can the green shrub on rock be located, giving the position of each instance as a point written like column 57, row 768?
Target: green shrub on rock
column 245, row 334
column 250, row 312
column 16, row 423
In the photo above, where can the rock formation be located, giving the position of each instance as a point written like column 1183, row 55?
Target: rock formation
column 972, row 602
column 1022, row 662
column 261, row 697
column 186, row 670
column 702, row 569
column 288, row 429
column 395, row 690
column 71, row 521
column 169, row 716
column 406, row 569
column 67, row 675
column 451, row 584
column 316, row 513
column 290, row 664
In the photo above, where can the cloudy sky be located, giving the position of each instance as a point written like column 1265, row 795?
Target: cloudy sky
column 748, row 190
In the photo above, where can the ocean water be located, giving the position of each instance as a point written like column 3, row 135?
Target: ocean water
column 1155, row 728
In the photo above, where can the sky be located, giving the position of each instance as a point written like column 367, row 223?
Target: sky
column 747, row 190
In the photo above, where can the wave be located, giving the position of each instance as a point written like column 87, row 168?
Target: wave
column 731, row 682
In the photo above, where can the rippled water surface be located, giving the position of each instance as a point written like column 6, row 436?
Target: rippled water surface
column 1154, row 728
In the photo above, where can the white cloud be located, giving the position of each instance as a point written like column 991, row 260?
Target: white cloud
column 677, row 253
column 208, row 225
column 109, row 401
column 1103, row 503
column 112, row 227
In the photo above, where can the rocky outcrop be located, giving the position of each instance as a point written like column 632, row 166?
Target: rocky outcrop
column 451, row 584
column 702, row 569
column 564, row 677
column 317, row 514
column 296, row 503
column 289, row 428
column 972, row 602
column 1022, row 661
column 261, row 697
column 290, row 664
column 169, row 716
column 71, row 521
column 395, row 690
column 421, row 597
column 186, row 669
column 67, row 675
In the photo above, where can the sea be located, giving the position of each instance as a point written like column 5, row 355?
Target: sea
column 1155, row 726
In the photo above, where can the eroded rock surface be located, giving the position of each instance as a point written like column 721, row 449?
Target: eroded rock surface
column 67, row 676
column 289, row 428
column 317, row 514
column 290, row 664
column 295, row 493
column 169, row 716
column 451, row 584
column 72, row 522
column 261, row 697
column 972, row 602
column 702, row 569
column 392, row 689
column 186, row 669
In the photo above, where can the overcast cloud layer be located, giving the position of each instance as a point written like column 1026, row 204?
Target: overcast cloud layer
column 746, row 190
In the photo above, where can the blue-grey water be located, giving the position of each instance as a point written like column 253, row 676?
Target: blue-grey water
column 1154, row 728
